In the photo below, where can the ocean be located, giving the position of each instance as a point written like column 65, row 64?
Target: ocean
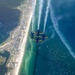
column 56, row 55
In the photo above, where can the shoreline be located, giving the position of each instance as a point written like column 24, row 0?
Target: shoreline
column 17, row 44
column 3, row 61
column 23, row 45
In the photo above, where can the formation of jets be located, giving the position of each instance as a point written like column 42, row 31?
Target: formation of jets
column 38, row 36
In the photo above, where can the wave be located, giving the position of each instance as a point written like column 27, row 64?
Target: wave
column 61, row 36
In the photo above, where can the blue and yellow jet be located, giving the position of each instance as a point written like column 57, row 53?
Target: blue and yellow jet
column 38, row 36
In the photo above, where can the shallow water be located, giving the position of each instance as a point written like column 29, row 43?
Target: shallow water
column 3, row 68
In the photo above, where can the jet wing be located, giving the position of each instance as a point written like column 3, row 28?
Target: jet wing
column 41, row 33
column 46, row 37
column 35, row 33
column 35, row 36
column 40, row 41
column 40, row 36
column 34, row 40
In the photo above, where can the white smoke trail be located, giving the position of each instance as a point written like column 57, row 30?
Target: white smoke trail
column 47, row 10
column 33, row 18
column 55, row 24
column 40, row 12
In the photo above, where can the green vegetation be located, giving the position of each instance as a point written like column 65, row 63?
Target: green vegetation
column 2, row 60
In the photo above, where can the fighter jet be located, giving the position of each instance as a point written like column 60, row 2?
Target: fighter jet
column 38, row 36
column 32, row 35
column 38, row 32
column 43, row 37
column 38, row 40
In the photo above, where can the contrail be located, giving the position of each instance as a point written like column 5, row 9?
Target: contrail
column 40, row 12
column 33, row 18
column 56, row 25
column 47, row 10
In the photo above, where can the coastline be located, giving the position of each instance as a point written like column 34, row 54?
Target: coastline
column 17, row 43
column 22, row 47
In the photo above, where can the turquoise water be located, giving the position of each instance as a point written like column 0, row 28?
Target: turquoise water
column 29, row 59
column 28, row 63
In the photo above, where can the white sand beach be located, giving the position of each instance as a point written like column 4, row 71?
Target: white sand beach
column 23, row 44
column 22, row 47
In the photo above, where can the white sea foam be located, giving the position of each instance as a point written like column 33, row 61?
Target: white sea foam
column 40, row 12
column 56, row 26
column 47, row 10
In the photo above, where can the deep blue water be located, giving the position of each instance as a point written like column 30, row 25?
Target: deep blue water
column 12, row 3
column 54, row 58
column 65, row 17
column 9, row 17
